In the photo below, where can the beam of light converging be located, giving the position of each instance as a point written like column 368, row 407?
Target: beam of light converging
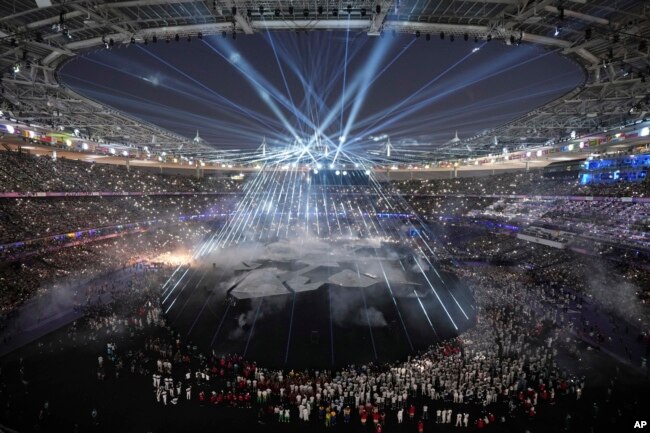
column 345, row 74
column 425, row 313
column 284, row 78
column 293, row 307
column 331, row 90
column 392, row 296
column 365, row 308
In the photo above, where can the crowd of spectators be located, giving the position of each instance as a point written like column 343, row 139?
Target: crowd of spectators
column 23, row 172
column 533, row 182
column 25, row 279
column 23, row 219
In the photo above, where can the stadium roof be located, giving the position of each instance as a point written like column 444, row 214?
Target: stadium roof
column 609, row 39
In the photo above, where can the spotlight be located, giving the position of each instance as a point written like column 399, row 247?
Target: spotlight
column 466, row 37
column 177, row 37
column 363, row 12
column 345, row 173
column 305, row 12
column 154, row 39
column 442, row 35
column 320, row 10
column 557, row 31
column 290, row 10
column 417, row 33
column 338, row 173
column 378, row 9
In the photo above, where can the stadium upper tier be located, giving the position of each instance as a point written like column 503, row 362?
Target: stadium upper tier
column 608, row 40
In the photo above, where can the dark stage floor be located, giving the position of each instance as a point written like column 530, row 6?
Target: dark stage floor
column 332, row 325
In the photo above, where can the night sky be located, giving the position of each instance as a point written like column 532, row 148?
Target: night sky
column 283, row 86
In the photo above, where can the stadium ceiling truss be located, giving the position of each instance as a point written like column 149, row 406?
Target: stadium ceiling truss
column 608, row 39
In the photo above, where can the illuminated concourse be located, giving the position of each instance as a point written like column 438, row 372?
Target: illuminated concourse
column 361, row 217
